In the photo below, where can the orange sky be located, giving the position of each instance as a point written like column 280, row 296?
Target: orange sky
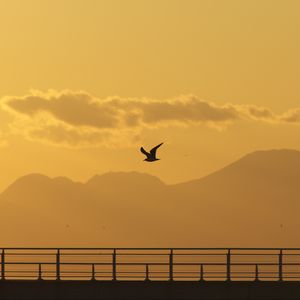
column 84, row 83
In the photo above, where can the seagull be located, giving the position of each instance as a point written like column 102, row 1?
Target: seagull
column 151, row 156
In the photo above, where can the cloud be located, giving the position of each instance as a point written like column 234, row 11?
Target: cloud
column 291, row 116
column 77, row 119
column 56, row 133
column 70, row 137
column 82, row 110
column 77, row 109
column 257, row 113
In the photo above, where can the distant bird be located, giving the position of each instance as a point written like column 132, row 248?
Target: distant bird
column 151, row 156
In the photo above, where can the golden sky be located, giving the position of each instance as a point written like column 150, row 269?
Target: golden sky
column 85, row 83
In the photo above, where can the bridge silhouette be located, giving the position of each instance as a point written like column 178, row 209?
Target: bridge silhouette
column 150, row 273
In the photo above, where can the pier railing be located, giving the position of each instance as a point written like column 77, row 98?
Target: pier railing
column 178, row 264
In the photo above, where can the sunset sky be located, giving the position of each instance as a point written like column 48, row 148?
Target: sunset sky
column 85, row 83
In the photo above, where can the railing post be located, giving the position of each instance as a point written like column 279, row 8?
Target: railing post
column 93, row 272
column 171, row 265
column 58, row 265
column 114, row 264
column 201, row 273
column 147, row 273
column 3, row 265
column 280, row 266
column 228, row 266
column 40, row 272
column 256, row 273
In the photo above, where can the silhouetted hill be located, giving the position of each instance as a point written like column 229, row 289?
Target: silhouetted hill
column 260, row 176
column 128, row 182
column 267, row 165
column 251, row 202
column 38, row 185
column 125, row 179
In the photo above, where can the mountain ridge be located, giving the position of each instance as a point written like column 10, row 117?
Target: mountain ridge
column 256, row 195
column 122, row 174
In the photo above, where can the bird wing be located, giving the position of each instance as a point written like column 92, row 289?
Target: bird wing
column 153, row 150
column 144, row 151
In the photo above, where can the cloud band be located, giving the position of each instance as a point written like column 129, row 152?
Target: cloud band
column 79, row 119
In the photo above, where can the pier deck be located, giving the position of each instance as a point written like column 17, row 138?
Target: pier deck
column 150, row 273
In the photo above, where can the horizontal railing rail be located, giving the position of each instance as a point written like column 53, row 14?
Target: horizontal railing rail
column 195, row 264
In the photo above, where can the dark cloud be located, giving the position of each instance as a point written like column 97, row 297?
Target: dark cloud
column 78, row 119
column 78, row 109
column 259, row 113
column 81, row 109
column 292, row 116
column 72, row 137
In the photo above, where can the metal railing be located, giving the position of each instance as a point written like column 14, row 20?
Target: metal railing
column 178, row 264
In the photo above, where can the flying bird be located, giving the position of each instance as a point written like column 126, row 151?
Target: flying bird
column 151, row 156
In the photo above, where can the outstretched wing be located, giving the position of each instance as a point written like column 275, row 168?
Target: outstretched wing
column 144, row 151
column 153, row 150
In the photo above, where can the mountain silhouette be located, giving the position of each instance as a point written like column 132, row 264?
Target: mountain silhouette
column 260, row 176
column 252, row 202
column 128, row 182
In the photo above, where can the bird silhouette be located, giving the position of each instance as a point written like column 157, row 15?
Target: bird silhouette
column 151, row 156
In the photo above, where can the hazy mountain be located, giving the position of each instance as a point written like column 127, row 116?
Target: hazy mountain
column 262, row 177
column 252, row 202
